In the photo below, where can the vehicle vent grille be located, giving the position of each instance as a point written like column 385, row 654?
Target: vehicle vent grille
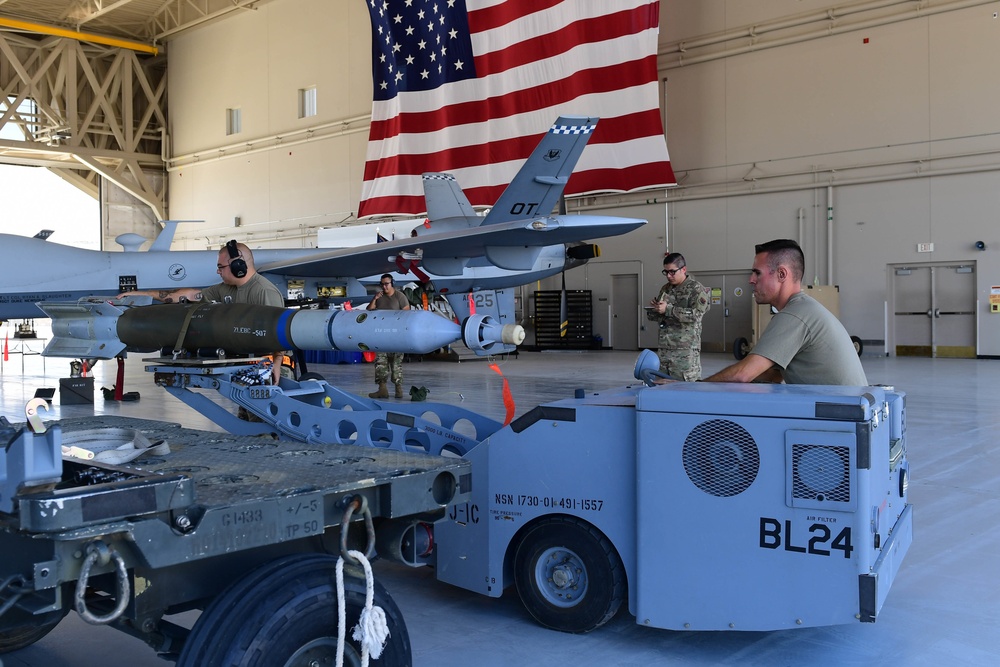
column 721, row 458
column 821, row 473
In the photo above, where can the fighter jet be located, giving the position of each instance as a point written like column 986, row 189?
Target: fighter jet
column 517, row 242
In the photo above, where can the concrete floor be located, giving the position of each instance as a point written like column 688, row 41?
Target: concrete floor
column 942, row 609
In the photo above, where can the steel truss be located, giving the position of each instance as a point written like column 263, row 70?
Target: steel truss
column 85, row 110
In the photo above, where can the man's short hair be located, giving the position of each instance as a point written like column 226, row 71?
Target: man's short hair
column 784, row 251
column 674, row 258
column 386, row 275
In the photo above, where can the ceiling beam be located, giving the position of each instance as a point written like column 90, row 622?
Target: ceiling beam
column 102, row 11
column 42, row 29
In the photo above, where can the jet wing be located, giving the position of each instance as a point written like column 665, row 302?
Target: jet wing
column 511, row 236
column 461, row 244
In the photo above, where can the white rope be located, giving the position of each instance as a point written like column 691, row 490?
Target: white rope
column 372, row 629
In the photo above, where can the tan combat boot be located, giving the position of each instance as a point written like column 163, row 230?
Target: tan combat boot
column 399, row 390
column 382, row 392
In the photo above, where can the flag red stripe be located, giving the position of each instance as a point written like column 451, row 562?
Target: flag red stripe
column 506, row 12
column 609, row 131
column 594, row 180
column 584, row 31
column 399, row 204
column 585, row 82
column 624, row 180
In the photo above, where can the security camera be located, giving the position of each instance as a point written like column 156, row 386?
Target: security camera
column 980, row 245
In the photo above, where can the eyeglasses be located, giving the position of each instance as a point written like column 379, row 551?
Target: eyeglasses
column 219, row 267
column 670, row 273
column 386, row 284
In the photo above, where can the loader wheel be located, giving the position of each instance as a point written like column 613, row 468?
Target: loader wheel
column 285, row 614
column 741, row 348
column 23, row 637
column 568, row 575
column 858, row 346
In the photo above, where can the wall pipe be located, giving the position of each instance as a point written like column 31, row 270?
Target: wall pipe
column 272, row 142
column 808, row 186
column 824, row 32
column 829, row 235
column 758, row 29
column 816, row 235
column 801, row 216
column 833, row 171
column 592, row 203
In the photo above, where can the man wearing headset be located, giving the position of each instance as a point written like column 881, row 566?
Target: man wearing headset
column 240, row 284
column 388, row 365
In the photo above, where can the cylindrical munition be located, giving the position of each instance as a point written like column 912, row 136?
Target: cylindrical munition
column 411, row 331
column 237, row 328
column 250, row 329
column 99, row 329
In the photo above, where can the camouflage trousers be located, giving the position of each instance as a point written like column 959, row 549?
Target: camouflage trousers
column 389, row 365
column 680, row 364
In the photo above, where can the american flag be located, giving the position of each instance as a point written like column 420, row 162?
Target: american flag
column 469, row 86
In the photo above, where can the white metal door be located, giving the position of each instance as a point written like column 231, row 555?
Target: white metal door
column 934, row 309
column 625, row 311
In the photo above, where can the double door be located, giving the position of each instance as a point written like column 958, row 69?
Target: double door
column 933, row 308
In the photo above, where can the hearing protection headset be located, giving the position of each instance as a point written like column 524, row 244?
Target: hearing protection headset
column 237, row 265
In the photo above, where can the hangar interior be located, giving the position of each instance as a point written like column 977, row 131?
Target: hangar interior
column 940, row 610
column 867, row 130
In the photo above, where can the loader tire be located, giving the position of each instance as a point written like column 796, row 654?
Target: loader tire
column 285, row 614
column 568, row 575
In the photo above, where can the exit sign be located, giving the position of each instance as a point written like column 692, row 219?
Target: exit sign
column 925, row 247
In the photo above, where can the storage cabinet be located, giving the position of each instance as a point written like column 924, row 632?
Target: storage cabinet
column 579, row 315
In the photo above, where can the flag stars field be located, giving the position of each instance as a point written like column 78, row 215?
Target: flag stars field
column 465, row 87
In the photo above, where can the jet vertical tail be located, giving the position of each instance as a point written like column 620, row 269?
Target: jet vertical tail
column 539, row 184
column 444, row 198
column 166, row 237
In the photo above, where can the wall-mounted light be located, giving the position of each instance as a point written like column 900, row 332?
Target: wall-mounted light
column 980, row 245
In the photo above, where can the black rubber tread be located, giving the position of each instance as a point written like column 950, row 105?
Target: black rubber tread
column 605, row 572
column 264, row 618
column 17, row 638
column 858, row 345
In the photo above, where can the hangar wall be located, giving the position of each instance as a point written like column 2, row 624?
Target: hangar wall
column 896, row 120
column 894, row 123
column 282, row 176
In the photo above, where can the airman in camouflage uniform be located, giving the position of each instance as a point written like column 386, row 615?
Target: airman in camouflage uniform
column 388, row 365
column 678, row 309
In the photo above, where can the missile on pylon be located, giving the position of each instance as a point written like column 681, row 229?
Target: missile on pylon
column 102, row 329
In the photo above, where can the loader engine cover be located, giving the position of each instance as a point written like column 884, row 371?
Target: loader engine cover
column 763, row 507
